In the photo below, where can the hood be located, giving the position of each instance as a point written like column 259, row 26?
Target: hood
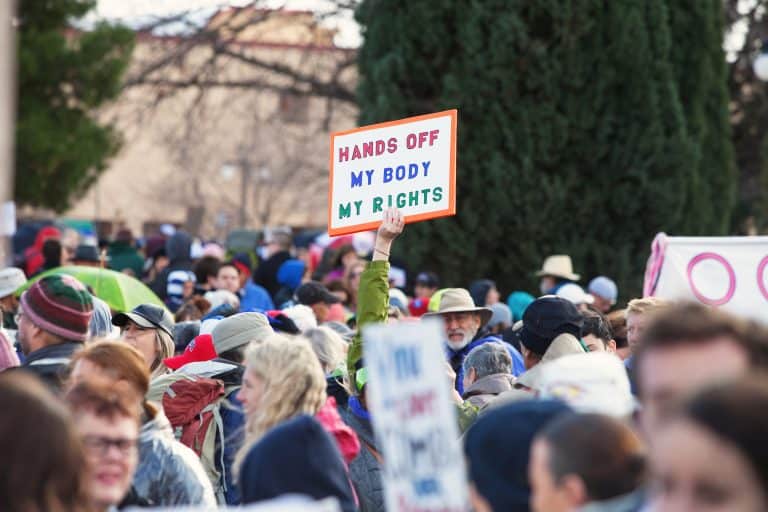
column 563, row 345
column 345, row 437
column 479, row 290
column 178, row 247
column 290, row 273
column 44, row 234
column 490, row 385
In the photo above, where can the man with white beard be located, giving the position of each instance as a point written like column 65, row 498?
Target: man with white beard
column 464, row 324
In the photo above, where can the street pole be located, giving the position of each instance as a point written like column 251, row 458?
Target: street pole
column 7, row 124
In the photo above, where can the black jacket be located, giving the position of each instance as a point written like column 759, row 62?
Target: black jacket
column 50, row 363
column 266, row 273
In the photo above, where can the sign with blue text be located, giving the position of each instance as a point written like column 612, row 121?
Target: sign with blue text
column 408, row 164
column 409, row 397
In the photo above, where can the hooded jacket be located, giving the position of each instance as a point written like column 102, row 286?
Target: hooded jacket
column 485, row 389
column 169, row 473
column 456, row 357
column 345, row 437
column 281, row 463
column 51, row 363
column 122, row 255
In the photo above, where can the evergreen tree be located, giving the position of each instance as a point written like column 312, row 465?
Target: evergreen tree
column 572, row 136
column 63, row 77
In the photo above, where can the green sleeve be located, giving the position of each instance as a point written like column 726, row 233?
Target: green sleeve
column 372, row 307
column 467, row 414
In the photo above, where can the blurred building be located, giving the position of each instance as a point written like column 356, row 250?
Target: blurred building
column 213, row 157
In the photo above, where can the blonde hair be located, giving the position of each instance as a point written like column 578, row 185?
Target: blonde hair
column 293, row 384
column 165, row 349
column 328, row 346
column 644, row 305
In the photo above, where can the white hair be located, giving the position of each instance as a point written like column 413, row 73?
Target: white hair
column 302, row 316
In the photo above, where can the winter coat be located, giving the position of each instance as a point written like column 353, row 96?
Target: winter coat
column 266, row 273
column 296, row 457
column 365, row 469
column 345, row 437
column 51, row 363
column 485, row 389
column 456, row 357
column 254, row 298
column 123, row 255
column 177, row 248
column 169, row 473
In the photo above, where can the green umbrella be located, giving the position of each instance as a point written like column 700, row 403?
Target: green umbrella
column 120, row 291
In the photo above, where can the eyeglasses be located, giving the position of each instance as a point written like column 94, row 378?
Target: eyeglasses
column 101, row 445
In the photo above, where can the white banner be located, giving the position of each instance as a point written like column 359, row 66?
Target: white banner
column 409, row 397
column 727, row 272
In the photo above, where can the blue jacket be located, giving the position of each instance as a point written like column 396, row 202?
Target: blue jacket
column 255, row 298
column 456, row 358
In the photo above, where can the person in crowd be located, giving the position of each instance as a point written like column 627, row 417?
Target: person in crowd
column 576, row 294
column 556, row 271
column 168, row 473
column 280, row 463
column 316, row 296
column 337, row 287
column 53, row 320
column 206, row 271
column 149, row 329
column 43, row 454
column 551, row 328
column 687, row 347
column 617, row 321
column 346, row 257
column 289, row 277
column 11, row 279
column 218, row 297
column 155, row 263
column 497, row 448
column 108, row 425
column 100, row 325
column 711, row 455
column 638, row 314
column 484, row 292
column 271, row 393
column 352, row 282
column 596, row 333
column 427, row 283
column 53, row 255
column 192, row 310
column 228, row 277
column 252, row 296
column 300, row 317
column 605, row 293
column 87, row 256
column 33, row 256
column 123, row 256
column 487, row 372
column 331, row 351
column 518, row 301
column 170, row 282
column 464, row 331
column 501, row 319
column 277, row 247
column 586, row 462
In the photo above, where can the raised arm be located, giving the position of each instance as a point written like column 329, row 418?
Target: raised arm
column 373, row 294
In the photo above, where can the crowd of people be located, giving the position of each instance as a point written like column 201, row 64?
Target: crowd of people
column 251, row 383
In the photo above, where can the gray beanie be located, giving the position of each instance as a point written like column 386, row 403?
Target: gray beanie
column 240, row 329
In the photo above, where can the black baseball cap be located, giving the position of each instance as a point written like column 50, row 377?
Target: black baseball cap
column 146, row 315
column 546, row 318
column 313, row 292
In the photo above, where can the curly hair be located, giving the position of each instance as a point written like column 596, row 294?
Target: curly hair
column 293, row 384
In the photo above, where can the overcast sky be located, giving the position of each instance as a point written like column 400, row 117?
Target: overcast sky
column 135, row 11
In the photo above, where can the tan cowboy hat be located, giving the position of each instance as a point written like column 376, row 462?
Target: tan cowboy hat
column 458, row 300
column 559, row 265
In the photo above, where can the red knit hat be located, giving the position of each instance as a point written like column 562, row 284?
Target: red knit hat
column 59, row 304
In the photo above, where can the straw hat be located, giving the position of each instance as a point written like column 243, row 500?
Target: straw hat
column 458, row 300
column 559, row 265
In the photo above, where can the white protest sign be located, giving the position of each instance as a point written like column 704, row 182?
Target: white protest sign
column 408, row 395
column 409, row 164
column 8, row 218
column 288, row 503
column 727, row 272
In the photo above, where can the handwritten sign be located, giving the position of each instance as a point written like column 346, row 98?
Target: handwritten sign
column 726, row 272
column 409, row 164
column 414, row 419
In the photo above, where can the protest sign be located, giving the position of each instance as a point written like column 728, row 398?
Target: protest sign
column 408, row 395
column 289, row 503
column 727, row 272
column 409, row 164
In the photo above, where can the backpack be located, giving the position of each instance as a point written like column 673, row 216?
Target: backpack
column 192, row 405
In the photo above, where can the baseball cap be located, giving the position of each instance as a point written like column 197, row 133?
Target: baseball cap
column 604, row 287
column 199, row 349
column 575, row 294
column 146, row 315
column 545, row 319
column 428, row 279
column 313, row 292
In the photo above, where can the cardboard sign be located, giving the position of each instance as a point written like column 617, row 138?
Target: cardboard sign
column 409, row 164
column 414, row 419
column 727, row 272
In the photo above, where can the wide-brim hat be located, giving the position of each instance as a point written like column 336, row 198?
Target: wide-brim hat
column 559, row 265
column 458, row 300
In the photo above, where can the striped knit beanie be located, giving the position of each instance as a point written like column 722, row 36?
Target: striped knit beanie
column 59, row 304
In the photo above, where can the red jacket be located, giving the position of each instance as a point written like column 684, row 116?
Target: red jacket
column 345, row 437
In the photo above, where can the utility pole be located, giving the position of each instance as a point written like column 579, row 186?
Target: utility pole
column 7, row 127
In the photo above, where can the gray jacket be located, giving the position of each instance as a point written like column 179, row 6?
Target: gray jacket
column 485, row 389
column 365, row 469
column 169, row 473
